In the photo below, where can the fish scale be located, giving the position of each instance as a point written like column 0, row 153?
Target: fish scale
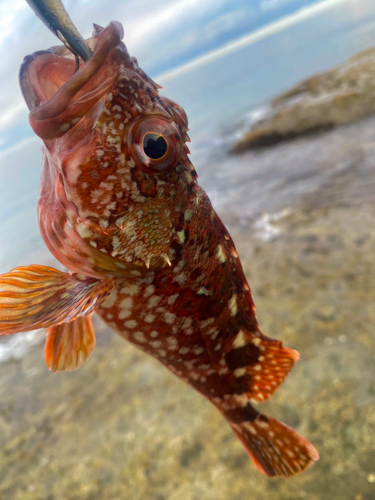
column 143, row 246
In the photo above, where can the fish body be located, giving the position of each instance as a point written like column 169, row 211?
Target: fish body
column 121, row 208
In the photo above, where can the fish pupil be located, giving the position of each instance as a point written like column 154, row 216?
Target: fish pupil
column 155, row 146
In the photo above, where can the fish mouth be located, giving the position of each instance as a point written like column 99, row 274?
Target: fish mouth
column 58, row 95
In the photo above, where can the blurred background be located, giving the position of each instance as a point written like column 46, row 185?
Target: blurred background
column 280, row 96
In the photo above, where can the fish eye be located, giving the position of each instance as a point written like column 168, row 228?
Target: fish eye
column 155, row 146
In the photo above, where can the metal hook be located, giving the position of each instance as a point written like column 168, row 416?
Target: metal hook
column 55, row 17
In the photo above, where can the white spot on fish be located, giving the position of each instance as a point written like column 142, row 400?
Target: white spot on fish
column 130, row 289
column 125, row 307
column 64, row 127
column 139, row 337
column 232, row 304
column 239, row 340
column 189, row 177
column 188, row 215
column 169, row 318
column 180, row 278
column 153, row 301
column 150, row 290
column 220, row 254
column 150, row 318
column 172, row 299
column 172, row 343
column 131, row 323
column 83, row 231
column 207, row 322
column 111, row 300
column 181, row 236
column 239, row 372
column 155, row 343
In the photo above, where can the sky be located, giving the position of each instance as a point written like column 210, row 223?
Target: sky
column 163, row 35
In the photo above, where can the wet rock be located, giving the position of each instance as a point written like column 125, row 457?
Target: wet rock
column 342, row 95
column 327, row 313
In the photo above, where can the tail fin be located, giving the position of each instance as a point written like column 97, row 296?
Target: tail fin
column 38, row 296
column 275, row 448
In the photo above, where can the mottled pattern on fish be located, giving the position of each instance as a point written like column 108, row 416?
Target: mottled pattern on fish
column 152, row 257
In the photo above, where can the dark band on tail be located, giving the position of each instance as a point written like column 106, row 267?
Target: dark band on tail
column 275, row 448
column 246, row 414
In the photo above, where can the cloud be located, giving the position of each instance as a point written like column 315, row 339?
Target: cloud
column 224, row 23
column 267, row 5
column 9, row 15
column 251, row 38
column 186, row 22
column 11, row 114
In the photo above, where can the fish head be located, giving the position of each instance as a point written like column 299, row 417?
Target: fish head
column 116, row 175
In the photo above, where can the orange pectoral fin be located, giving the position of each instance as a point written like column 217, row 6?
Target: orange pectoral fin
column 38, row 297
column 69, row 345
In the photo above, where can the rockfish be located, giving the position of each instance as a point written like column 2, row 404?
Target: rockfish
column 120, row 207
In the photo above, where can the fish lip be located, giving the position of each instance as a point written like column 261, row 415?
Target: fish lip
column 49, row 96
column 27, row 90
column 118, row 27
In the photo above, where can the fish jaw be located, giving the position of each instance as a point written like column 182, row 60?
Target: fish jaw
column 59, row 97
column 99, row 190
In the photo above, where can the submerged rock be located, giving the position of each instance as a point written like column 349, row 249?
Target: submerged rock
column 339, row 96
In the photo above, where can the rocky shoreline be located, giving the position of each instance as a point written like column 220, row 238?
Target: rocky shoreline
column 336, row 97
